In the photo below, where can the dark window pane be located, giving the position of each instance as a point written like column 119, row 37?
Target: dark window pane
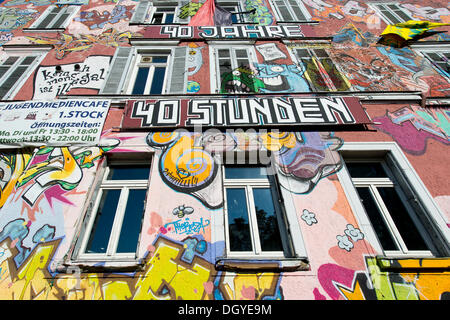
column 10, row 61
column 141, row 80
column 378, row 223
column 366, row 170
column 238, row 223
column 132, row 221
column 402, row 219
column 158, row 80
column 169, row 18
column 269, row 232
column 132, row 172
column 223, row 53
column 159, row 59
column 245, row 173
column 101, row 230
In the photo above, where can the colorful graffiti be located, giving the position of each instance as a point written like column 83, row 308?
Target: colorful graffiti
column 12, row 166
column 282, row 78
column 412, row 126
column 67, row 43
column 167, row 274
column 408, row 284
column 186, row 164
column 15, row 18
column 96, row 20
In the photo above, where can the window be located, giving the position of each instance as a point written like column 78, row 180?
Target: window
column 55, row 17
column 392, row 13
column 178, row 12
column 440, row 58
column 161, row 15
column 233, row 70
column 239, row 15
column 14, row 70
column 253, row 215
column 320, row 71
column 392, row 205
column 147, row 71
column 113, row 229
column 146, row 13
column 149, row 74
column 290, row 10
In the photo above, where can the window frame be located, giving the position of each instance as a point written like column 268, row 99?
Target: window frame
column 22, row 53
column 249, row 185
column 137, row 62
column 331, row 86
column 124, row 186
column 291, row 11
column 152, row 7
column 433, row 221
column 377, row 8
column 71, row 9
column 423, row 51
column 298, row 260
column 216, row 81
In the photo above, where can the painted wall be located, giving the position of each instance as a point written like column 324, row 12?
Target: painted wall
column 37, row 229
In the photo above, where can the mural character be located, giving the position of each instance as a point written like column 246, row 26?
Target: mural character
column 282, row 78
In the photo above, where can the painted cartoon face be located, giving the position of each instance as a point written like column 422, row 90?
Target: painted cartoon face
column 282, row 77
column 240, row 80
column 194, row 59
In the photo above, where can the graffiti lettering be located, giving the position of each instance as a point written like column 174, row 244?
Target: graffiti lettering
column 187, row 227
column 229, row 112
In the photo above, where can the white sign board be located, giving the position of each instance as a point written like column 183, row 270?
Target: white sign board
column 52, row 123
column 50, row 83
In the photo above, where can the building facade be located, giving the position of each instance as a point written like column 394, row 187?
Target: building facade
column 290, row 155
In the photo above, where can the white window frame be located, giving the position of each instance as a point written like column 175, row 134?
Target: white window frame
column 154, row 9
column 22, row 53
column 292, row 237
column 71, row 9
column 330, row 84
column 136, row 63
column 301, row 6
column 381, row 150
column 248, row 185
column 238, row 7
column 232, row 46
column 377, row 9
column 422, row 50
column 124, row 186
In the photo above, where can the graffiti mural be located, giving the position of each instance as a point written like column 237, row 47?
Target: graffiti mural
column 420, row 123
column 96, row 20
column 67, row 43
column 187, row 166
column 14, row 18
column 166, row 275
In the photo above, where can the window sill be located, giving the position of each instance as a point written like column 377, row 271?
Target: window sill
column 55, row 30
column 268, row 265
column 413, row 264
column 102, row 266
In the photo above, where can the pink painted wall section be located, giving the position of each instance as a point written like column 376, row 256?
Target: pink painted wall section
column 423, row 136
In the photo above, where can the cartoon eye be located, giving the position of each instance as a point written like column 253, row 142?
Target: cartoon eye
column 277, row 69
column 236, row 73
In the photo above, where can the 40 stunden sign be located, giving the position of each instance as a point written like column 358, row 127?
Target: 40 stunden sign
column 52, row 123
column 244, row 112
